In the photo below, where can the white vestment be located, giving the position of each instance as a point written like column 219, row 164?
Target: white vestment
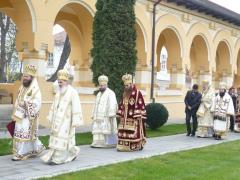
column 65, row 115
column 222, row 108
column 205, row 118
column 104, row 128
column 26, row 114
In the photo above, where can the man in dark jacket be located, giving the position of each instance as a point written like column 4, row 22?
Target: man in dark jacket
column 192, row 101
column 232, row 93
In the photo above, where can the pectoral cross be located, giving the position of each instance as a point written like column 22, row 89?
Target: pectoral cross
column 225, row 102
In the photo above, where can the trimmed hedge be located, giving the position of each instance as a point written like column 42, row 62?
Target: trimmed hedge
column 157, row 115
column 114, row 42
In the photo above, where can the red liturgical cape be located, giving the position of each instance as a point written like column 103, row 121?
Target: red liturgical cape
column 131, row 129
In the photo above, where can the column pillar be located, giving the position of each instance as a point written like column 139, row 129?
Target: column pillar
column 205, row 76
column 83, row 77
column 177, row 79
column 195, row 78
column 143, row 80
column 36, row 58
column 215, row 80
column 83, row 74
column 228, row 79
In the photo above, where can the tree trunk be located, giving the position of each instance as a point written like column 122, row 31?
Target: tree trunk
column 8, row 47
column 4, row 30
column 63, row 60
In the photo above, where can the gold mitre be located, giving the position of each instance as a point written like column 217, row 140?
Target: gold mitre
column 63, row 75
column 102, row 80
column 222, row 85
column 127, row 79
column 205, row 82
column 30, row 70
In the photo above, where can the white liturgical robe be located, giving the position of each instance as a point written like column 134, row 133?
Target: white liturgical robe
column 222, row 108
column 65, row 115
column 26, row 114
column 205, row 118
column 104, row 128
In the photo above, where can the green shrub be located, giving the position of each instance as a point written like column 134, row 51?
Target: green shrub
column 114, row 42
column 157, row 115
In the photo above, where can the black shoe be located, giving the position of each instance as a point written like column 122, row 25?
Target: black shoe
column 188, row 134
column 217, row 137
column 192, row 135
column 52, row 163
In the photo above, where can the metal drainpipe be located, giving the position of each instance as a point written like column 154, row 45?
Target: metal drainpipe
column 153, row 50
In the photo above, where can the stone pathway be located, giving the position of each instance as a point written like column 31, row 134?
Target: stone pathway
column 90, row 157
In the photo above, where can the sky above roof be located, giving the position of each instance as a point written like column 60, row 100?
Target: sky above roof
column 233, row 5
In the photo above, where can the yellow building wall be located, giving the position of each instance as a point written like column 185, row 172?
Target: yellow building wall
column 177, row 29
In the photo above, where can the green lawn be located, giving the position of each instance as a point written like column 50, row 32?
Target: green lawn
column 210, row 163
column 167, row 130
column 86, row 138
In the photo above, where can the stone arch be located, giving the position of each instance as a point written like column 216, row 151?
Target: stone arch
column 21, row 12
column 76, row 17
column 80, row 21
column 172, row 22
column 223, row 57
column 33, row 15
column 86, row 5
column 200, row 30
column 235, row 54
column 169, row 39
column 223, row 49
column 237, row 72
column 144, row 23
column 141, row 43
column 223, row 65
column 223, row 35
column 144, row 33
column 75, row 38
column 200, row 52
column 237, row 44
column 238, row 62
column 199, row 60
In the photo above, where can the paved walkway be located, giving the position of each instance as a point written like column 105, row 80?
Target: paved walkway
column 90, row 157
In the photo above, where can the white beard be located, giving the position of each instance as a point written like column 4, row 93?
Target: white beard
column 63, row 89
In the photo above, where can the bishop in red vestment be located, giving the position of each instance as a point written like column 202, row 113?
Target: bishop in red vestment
column 132, row 114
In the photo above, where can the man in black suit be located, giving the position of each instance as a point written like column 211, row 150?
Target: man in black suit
column 192, row 101
column 232, row 93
